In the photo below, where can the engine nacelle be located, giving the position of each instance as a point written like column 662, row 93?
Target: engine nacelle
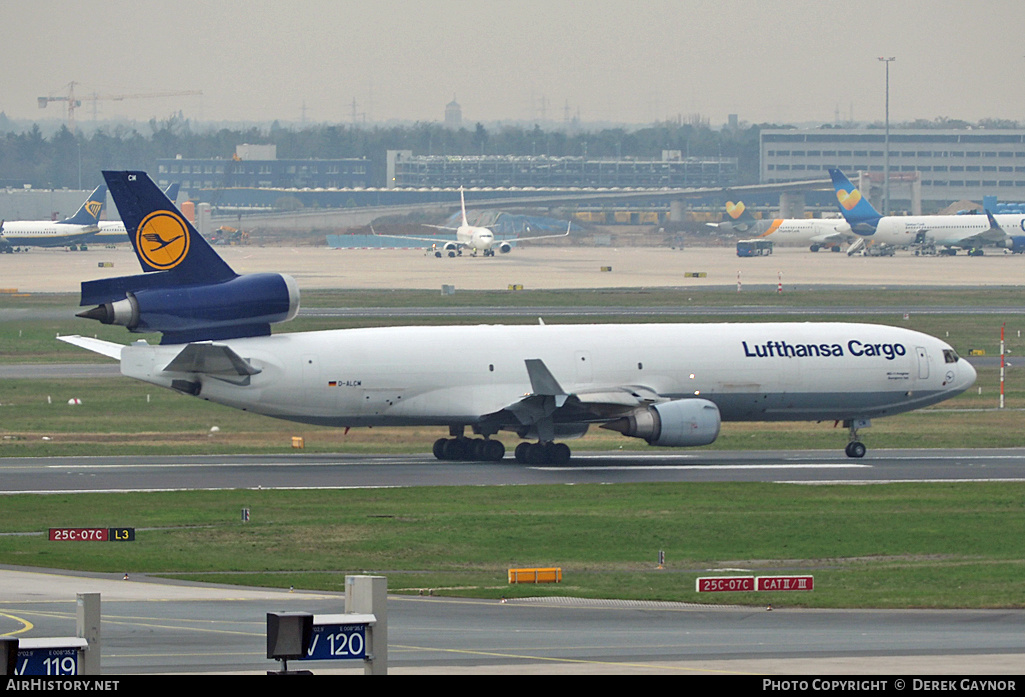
column 504, row 247
column 1017, row 245
column 450, row 247
column 680, row 423
column 242, row 306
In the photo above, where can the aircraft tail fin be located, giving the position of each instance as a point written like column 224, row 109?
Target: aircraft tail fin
column 89, row 213
column 855, row 208
column 187, row 291
column 161, row 236
column 172, row 192
column 739, row 213
column 462, row 203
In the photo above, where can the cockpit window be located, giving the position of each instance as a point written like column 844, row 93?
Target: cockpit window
column 950, row 356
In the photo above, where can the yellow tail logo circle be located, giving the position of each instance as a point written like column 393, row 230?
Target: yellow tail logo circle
column 162, row 240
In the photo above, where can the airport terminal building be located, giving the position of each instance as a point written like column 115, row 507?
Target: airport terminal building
column 406, row 170
column 949, row 165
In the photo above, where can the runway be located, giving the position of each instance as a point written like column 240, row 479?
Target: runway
column 140, row 473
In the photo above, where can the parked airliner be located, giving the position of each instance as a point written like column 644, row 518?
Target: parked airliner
column 668, row 384
column 817, row 233
column 472, row 237
column 928, row 233
column 60, row 233
column 113, row 231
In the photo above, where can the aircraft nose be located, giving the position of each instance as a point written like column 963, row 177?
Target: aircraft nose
column 966, row 375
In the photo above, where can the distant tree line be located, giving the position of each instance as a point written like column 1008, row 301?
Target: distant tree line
column 75, row 160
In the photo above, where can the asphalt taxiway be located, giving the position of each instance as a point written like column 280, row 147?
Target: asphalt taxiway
column 153, row 626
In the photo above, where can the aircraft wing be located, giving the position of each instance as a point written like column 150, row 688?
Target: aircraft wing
column 548, row 404
column 538, row 237
column 830, row 238
column 994, row 235
column 431, row 240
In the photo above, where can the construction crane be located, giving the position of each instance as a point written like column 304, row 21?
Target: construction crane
column 73, row 102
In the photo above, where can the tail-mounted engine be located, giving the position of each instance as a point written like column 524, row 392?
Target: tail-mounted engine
column 245, row 305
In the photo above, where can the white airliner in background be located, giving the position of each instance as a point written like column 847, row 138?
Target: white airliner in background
column 472, row 237
column 817, row 233
column 668, row 384
column 945, row 233
column 60, row 233
column 113, row 231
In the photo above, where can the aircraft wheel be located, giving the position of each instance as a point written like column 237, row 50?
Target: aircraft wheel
column 439, row 448
column 557, row 453
column 452, row 255
column 454, row 449
column 493, row 450
column 521, row 452
column 535, row 454
column 855, row 449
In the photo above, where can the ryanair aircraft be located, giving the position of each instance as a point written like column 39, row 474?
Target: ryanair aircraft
column 41, row 233
column 668, row 384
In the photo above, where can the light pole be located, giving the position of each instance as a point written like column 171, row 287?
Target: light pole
column 886, row 155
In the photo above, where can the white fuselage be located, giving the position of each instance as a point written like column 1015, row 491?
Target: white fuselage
column 808, row 231
column 479, row 239
column 406, row 375
column 110, row 232
column 941, row 230
column 33, row 233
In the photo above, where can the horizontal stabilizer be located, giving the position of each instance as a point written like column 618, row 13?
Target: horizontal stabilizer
column 210, row 359
column 106, row 348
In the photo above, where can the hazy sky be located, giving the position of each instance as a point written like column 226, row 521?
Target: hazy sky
column 605, row 60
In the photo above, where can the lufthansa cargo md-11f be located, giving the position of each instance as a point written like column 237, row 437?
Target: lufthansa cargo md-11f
column 669, row 384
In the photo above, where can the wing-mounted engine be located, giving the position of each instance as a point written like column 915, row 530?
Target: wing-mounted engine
column 679, row 423
column 242, row 306
column 504, row 247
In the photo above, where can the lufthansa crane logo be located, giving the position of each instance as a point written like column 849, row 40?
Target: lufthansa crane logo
column 162, row 240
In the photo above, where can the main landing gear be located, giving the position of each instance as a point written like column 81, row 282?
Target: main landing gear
column 465, row 449
column 477, row 449
column 549, row 453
